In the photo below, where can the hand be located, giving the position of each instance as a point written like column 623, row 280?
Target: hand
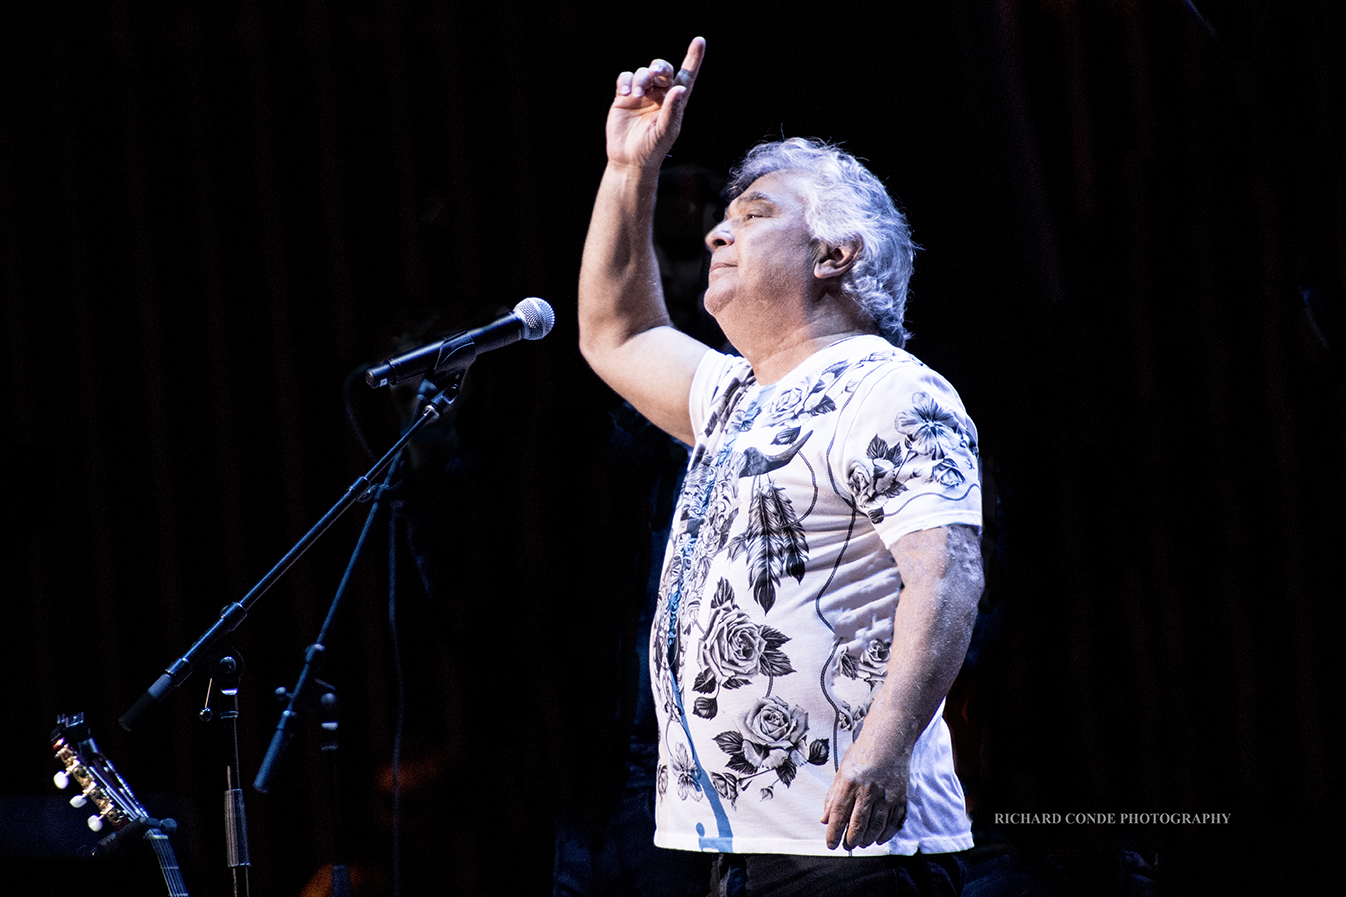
column 867, row 802
column 646, row 114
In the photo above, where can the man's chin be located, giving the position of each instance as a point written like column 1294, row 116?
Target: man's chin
column 715, row 301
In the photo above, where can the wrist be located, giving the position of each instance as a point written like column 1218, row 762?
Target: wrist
column 629, row 190
column 634, row 173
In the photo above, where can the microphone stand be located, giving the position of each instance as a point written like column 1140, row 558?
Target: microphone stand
column 216, row 658
column 342, row 885
column 232, row 614
column 227, row 670
column 296, row 698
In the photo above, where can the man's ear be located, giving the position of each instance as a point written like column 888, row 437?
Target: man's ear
column 834, row 261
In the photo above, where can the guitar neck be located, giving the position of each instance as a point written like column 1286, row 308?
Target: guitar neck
column 168, row 862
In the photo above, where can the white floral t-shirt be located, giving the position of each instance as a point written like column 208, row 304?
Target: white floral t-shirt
column 776, row 604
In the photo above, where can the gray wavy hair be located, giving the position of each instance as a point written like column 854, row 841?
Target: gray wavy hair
column 846, row 202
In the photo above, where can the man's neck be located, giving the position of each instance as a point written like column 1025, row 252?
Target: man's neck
column 775, row 335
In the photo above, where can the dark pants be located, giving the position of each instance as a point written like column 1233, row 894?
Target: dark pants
column 785, row 875
column 619, row 859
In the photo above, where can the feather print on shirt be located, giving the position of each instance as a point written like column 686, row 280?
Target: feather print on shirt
column 774, row 541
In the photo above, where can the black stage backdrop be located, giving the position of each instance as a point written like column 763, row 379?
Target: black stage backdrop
column 1134, row 221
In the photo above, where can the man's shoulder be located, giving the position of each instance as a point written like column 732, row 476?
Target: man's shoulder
column 867, row 358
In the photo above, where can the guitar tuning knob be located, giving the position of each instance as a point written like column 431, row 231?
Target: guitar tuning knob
column 78, row 801
column 95, row 823
column 62, row 780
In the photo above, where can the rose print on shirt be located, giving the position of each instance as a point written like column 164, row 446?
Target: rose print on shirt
column 872, row 664
column 771, row 739
column 734, row 650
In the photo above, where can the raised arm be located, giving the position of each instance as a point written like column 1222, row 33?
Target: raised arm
column 941, row 584
column 625, row 331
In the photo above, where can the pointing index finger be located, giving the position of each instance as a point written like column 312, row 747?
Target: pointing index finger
column 691, row 63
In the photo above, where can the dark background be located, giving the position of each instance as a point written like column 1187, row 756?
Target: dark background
column 1134, row 221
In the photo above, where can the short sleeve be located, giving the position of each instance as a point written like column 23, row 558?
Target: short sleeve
column 909, row 452
column 717, row 378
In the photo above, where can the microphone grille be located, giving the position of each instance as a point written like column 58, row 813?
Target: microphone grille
column 537, row 316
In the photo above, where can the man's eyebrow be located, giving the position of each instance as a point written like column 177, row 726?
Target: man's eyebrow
column 753, row 196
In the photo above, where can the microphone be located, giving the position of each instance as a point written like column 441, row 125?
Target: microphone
column 531, row 319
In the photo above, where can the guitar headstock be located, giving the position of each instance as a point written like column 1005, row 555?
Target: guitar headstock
column 97, row 779
column 84, row 766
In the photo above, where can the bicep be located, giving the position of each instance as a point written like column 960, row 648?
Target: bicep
column 653, row 370
column 944, row 561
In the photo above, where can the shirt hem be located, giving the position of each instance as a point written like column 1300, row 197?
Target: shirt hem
column 898, row 846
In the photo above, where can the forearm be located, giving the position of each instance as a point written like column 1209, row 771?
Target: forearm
column 942, row 582
column 620, row 294
column 625, row 331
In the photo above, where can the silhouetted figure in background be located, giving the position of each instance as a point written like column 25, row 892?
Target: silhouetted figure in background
column 609, row 849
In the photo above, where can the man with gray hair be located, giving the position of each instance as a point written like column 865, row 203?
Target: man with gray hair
column 823, row 567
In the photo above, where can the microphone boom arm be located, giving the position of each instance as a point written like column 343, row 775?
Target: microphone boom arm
column 233, row 614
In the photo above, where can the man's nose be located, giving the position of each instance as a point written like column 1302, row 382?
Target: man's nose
column 720, row 235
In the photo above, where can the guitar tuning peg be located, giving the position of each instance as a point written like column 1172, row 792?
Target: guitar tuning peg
column 95, row 823
column 62, row 780
column 78, row 801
